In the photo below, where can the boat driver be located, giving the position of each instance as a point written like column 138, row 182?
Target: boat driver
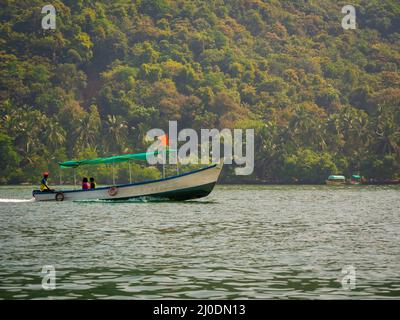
column 43, row 183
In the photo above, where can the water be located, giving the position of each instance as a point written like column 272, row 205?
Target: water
column 240, row 242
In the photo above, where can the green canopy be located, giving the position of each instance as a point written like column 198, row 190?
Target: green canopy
column 356, row 176
column 334, row 177
column 109, row 160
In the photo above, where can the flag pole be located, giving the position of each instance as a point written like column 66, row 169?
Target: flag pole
column 163, row 142
column 177, row 163
column 163, row 166
column 113, row 173
column 130, row 173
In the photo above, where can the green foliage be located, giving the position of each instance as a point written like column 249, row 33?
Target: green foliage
column 322, row 99
column 306, row 166
column 155, row 8
column 8, row 158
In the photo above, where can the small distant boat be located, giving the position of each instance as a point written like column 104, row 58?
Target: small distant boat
column 191, row 185
column 335, row 180
column 356, row 179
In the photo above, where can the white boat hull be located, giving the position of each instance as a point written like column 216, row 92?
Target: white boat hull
column 191, row 185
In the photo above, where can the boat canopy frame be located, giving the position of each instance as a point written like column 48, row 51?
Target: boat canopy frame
column 118, row 159
column 112, row 160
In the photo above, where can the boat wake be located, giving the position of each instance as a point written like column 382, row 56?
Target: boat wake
column 133, row 200
column 16, row 200
column 145, row 199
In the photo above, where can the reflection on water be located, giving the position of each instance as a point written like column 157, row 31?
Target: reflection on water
column 240, row 242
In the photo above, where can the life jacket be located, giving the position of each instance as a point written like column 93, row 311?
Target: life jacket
column 43, row 184
column 93, row 185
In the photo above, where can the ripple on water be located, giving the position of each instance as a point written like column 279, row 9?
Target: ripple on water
column 240, row 242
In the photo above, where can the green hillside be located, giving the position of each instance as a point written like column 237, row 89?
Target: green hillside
column 321, row 99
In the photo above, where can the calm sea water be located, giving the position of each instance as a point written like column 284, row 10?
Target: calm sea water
column 240, row 242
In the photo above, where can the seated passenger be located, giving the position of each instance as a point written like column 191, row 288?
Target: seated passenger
column 92, row 183
column 85, row 184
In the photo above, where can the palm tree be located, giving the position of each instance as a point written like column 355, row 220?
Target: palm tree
column 270, row 143
column 352, row 124
column 141, row 132
column 306, row 128
column 87, row 131
column 55, row 135
column 116, row 132
column 387, row 133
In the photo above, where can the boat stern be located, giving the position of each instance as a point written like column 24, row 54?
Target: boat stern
column 43, row 195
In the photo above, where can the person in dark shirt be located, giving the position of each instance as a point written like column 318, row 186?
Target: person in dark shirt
column 92, row 183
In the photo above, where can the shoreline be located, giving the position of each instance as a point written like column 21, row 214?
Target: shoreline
column 236, row 183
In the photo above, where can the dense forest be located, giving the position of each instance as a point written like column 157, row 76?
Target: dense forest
column 322, row 100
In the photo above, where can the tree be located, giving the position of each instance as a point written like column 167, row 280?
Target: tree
column 155, row 8
column 86, row 133
column 8, row 158
column 307, row 126
column 114, row 69
column 306, row 166
column 117, row 131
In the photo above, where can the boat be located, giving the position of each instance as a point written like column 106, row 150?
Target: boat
column 335, row 180
column 190, row 185
column 356, row 179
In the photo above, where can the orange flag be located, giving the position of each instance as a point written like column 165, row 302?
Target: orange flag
column 164, row 140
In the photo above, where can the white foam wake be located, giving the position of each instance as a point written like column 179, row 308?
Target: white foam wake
column 16, row 200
